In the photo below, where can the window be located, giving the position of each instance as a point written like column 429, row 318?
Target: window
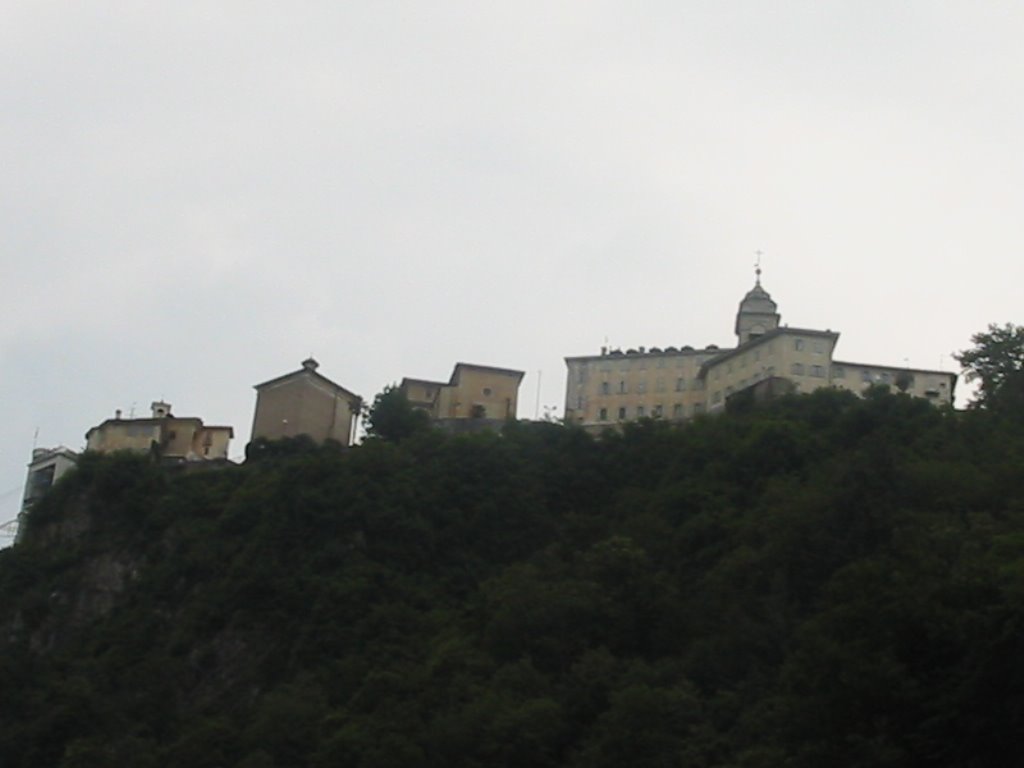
column 622, row 388
column 677, row 411
column 622, row 414
column 698, row 408
column 680, row 385
column 661, row 362
column 818, row 371
column 865, row 376
column 656, row 412
column 817, row 348
column 659, row 385
column 641, row 387
column 798, row 344
column 716, row 397
column 838, row 372
column 603, row 415
column 605, row 387
column 487, row 391
column 639, row 411
column 797, row 369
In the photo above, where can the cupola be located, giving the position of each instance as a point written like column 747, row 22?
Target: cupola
column 757, row 314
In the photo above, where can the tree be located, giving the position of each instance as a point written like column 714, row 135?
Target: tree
column 393, row 418
column 996, row 361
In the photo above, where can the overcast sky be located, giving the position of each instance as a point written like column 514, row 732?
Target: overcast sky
column 195, row 196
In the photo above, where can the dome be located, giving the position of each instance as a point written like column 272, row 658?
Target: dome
column 757, row 315
column 758, row 300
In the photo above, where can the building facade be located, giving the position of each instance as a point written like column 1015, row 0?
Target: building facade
column 305, row 402
column 480, row 393
column 680, row 383
column 166, row 435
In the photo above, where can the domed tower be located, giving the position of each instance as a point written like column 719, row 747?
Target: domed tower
column 757, row 314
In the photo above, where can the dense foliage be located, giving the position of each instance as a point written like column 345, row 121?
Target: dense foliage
column 996, row 362
column 823, row 582
column 392, row 417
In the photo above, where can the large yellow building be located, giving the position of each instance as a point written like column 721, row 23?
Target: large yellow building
column 169, row 436
column 679, row 383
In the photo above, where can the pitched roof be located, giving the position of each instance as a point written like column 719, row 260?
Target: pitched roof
column 308, row 371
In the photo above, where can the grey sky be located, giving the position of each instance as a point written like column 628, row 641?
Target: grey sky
column 196, row 196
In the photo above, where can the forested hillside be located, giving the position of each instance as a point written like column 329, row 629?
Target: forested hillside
column 824, row 582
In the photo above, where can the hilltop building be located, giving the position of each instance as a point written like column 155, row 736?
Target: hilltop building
column 769, row 358
column 305, row 402
column 46, row 468
column 48, row 465
column 168, row 436
column 480, row 394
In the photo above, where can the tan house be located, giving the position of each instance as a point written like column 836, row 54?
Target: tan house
column 680, row 382
column 169, row 436
column 305, row 402
column 474, row 392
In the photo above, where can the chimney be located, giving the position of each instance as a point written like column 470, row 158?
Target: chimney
column 117, row 414
column 310, row 364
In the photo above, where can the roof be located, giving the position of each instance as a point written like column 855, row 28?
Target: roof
column 40, row 455
column 154, row 420
column 772, row 334
column 158, row 421
column 308, row 372
column 897, row 368
column 654, row 352
column 486, row 369
column 424, row 382
column 758, row 300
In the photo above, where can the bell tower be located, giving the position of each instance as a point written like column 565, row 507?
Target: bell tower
column 757, row 314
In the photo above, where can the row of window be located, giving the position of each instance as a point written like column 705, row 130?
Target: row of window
column 817, row 347
column 622, row 387
column 640, row 363
column 796, row 369
column 656, row 412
